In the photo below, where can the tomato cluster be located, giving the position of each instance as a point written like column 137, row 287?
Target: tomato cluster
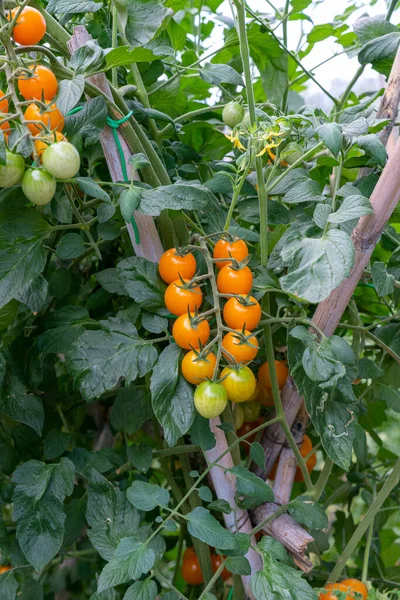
column 239, row 345
column 353, row 587
column 44, row 122
column 191, row 570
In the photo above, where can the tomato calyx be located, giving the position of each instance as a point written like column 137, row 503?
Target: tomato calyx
column 232, row 262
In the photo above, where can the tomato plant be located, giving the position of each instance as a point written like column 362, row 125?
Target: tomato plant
column 199, row 262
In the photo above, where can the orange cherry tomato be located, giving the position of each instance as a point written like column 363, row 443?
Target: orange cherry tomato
column 179, row 299
column 3, row 103
column 355, row 585
column 5, row 126
column 5, row 569
column 188, row 334
column 216, row 562
column 282, row 373
column 42, row 84
column 226, row 249
column 52, row 119
column 246, row 428
column 331, row 587
column 172, row 265
column 195, row 369
column 234, row 281
column 44, row 141
column 239, row 312
column 191, row 571
column 305, row 449
column 239, row 349
column 262, row 396
column 30, row 26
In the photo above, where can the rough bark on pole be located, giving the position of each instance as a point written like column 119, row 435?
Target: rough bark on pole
column 225, row 488
column 365, row 236
column 150, row 246
column 287, row 532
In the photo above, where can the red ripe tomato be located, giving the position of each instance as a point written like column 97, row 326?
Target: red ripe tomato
column 3, row 103
column 242, row 312
column 246, row 428
column 242, row 351
column 216, row 562
column 30, row 26
column 282, row 373
column 226, row 249
column 172, row 265
column 196, row 369
column 52, row 119
column 332, row 587
column 191, row 571
column 234, row 281
column 179, row 299
column 188, row 333
column 5, row 569
column 42, row 84
column 305, row 449
column 355, row 585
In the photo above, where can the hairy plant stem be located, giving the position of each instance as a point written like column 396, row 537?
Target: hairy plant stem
column 168, row 584
column 263, row 203
column 367, row 552
column 213, row 580
column 114, row 43
column 343, row 98
column 236, row 193
column 285, row 41
column 368, row 519
column 322, row 479
column 391, row 9
column 82, row 222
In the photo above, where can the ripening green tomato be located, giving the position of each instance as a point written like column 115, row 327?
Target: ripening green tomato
column 62, row 160
column 11, row 173
column 210, row 399
column 232, row 114
column 292, row 152
column 251, row 411
column 238, row 416
column 39, row 186
column 239, row 383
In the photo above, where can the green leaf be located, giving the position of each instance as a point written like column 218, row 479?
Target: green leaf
column 73, row 6
column 110, row 594
column 98, row 359
column 140, row 456
column 129, row 200
column 355, row 128
column 8, row 314
column 92, row 189
column 88, row 59
column 55, row 444
column 391, row 396
column 109, row 514
column 304, row 191
column 177, row 35
column 305, row 511
column 38, row 508
column 139, row 161
column 254, row 490
column 180, row 196
column 142, row 590
column 205, row 493
column 125, row 56
column 21, row 405
column 257, row 454
column 217, row 74
column 368, row 369
column 201, row 433
column 239, row 565
column 70, row 246
column 154, row 323
column 278, row 580
column 143, row 21
column 31, row 589
column 110, row 281
column 382, row 280
column 331, row 135
column 320, row 32
column 171, row 395
column 352, row 207
column 271, row 61
column 63, row 327
column 88, row 121
column 372, row 146
column 291, row 180
column 370, row 28
column 380, row 51
column 131, row 559
column 321, row 214
column 131, row 409
column 8, row 586
column 141, row 280
column 220, row 506
column 146, row 496
column 22, row 256
column 69, row 93
column 203, row 526
column 317, row 265
column 35, row 293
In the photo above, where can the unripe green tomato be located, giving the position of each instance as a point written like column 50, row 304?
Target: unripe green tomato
column 232, row 114
column 239, row 416
column 210, row 399
column 39, row 186
column 11, row 173
column 246, row 121
column 62, row 160
column 251, row 411
column 239, row 383
column 295, row 151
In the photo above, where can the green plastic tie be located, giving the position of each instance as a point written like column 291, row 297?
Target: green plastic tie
column 114, row 125
column 230, row 596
